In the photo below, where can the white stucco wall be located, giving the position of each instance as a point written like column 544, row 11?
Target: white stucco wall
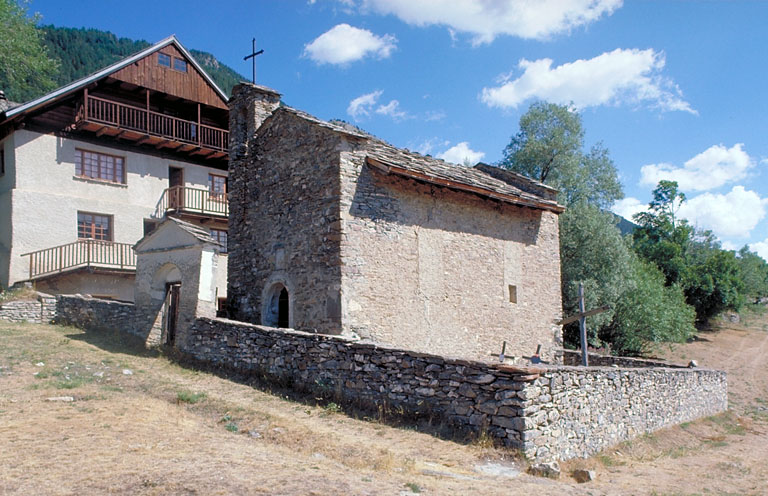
column 48, row 195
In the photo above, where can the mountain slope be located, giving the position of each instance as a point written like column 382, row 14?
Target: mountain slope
column 83, row 51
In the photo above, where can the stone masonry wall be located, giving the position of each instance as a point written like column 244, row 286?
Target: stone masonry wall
column 549, row 413
column 37, row 311
column 93, row 313
column 430, row 269
column 284, row 224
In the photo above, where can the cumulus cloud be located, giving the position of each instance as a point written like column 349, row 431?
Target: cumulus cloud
column 761, row 248
column 628, row 207
column 623, row 76
column 487, row 19
column 733, row 214
column 343, row 44
column 362, row 105
column 461, row 153
column 712, row 168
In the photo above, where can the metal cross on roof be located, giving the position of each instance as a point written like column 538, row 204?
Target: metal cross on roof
column 253, row 55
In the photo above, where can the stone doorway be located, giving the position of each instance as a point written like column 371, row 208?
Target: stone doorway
column 171, row 313
column 277, row 307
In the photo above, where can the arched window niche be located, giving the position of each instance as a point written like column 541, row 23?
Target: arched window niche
column 276, row 311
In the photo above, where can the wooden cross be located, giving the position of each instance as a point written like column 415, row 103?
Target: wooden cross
column 582, row 318
column 253, row 55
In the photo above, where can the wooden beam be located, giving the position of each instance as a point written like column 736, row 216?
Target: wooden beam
column 588, row 313
column 101, row 131
column 205, row 152
column 145, row 139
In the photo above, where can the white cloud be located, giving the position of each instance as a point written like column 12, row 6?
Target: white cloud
column 761, row 248
column 461, row 154
column 734, row 214
column 628, row 207
column 362, row 105
column 392, row 109
column 487, row 19
column 712, row 168
column 433, row 115
column 623, row 76
column 343, row 44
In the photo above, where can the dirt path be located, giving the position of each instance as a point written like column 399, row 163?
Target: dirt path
column 140, row 424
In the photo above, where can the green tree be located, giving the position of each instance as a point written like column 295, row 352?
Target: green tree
column 709, row 276
column 592, row 252
column 549, row 148
column 649, row 313
column 26, row 70
column 661, row 238
column 754, row 273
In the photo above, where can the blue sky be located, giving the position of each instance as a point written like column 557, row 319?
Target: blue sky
column 674, row 89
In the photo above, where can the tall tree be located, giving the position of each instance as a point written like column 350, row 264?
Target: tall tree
column 754, row 273
column 710, row 277
column 549, row 148
column 26, row 70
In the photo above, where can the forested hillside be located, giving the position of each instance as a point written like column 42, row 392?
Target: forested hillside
column 80, row 52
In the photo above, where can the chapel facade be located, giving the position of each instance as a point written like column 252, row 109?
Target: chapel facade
column 334, row 231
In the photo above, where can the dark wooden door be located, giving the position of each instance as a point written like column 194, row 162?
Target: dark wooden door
column 172, row 312
column 176, row 185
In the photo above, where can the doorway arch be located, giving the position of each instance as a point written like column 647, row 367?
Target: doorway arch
column 276, row 308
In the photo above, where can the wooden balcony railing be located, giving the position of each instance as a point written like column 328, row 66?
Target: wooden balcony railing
column 182, row 199
column 83, row 253
column 139, row 119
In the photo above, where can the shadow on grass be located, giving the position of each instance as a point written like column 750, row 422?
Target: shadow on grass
column 115, row 341
column 329, row 398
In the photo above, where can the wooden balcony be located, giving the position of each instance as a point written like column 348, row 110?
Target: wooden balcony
column 81, row 254
column 199, row 202
column 146, row 127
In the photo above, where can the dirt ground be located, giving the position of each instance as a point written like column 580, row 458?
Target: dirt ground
column 141, row 424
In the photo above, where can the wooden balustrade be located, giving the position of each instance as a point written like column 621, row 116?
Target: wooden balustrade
column 139, row 119
column 83, row 253
column 182, row 199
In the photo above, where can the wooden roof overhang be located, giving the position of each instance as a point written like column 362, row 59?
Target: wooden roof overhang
column 467, row 188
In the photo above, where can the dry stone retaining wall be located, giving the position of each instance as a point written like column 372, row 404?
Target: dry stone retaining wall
column 549, row 413
column 93, row 313
column 36, row 311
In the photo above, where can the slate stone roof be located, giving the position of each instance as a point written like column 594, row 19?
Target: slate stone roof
column 482, row 179
column 198, row 232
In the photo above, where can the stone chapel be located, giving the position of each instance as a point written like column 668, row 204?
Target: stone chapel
column 335, row 231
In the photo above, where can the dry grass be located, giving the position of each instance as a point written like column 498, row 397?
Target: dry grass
column 167, row 429
column 142, row 424
column 18, row 294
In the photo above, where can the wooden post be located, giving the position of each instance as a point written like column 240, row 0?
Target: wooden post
column 583, row 327
column 85, row 105
column 197, row 131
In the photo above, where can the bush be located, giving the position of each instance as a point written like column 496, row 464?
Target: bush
column 650, row 313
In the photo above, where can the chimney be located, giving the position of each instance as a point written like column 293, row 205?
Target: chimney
column 249, row 106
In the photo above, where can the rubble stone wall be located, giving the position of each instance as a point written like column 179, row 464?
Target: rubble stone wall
column 555, row 412
column 284, row 224
column 446, row 272
column 37, row 311
column 93, row 313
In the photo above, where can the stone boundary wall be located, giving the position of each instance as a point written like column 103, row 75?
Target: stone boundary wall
column 571, row 357
column 40, row 310
column 557, row 412
column 93, row 313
